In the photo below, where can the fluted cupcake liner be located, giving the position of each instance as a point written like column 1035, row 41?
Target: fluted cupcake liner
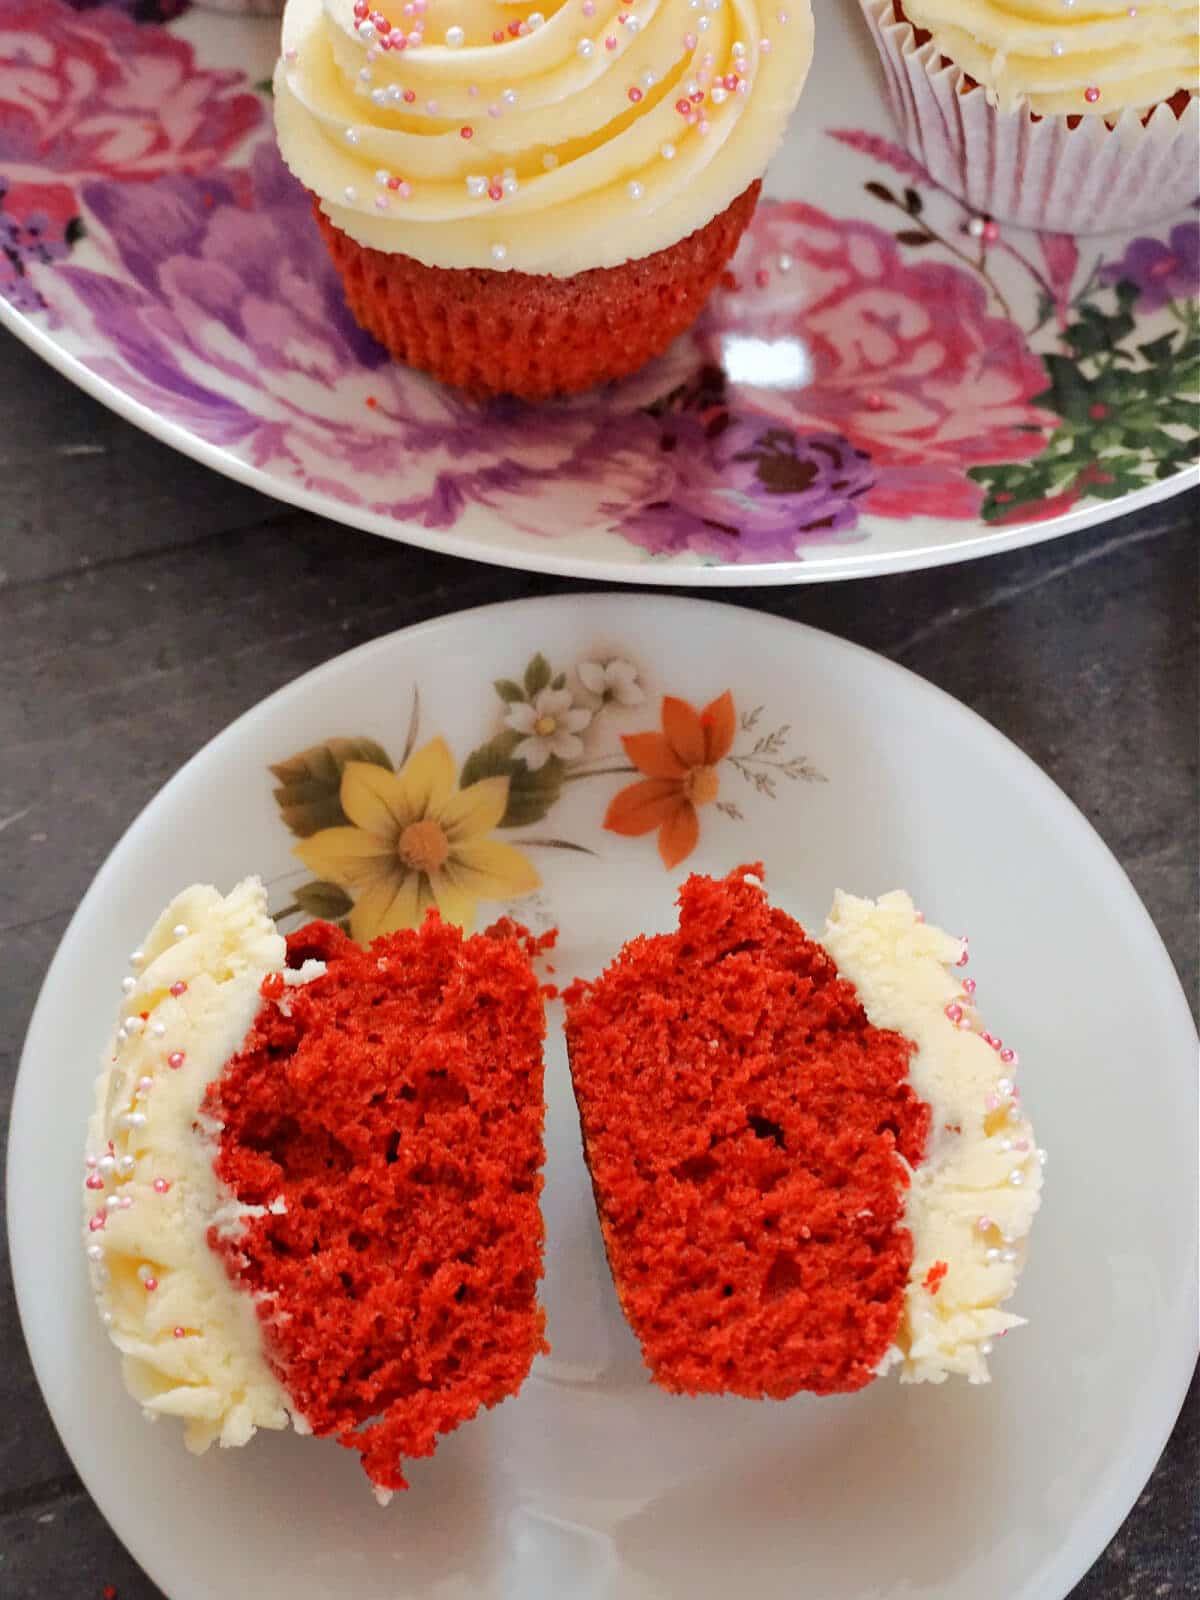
column 490, row 331
column 1055, row 173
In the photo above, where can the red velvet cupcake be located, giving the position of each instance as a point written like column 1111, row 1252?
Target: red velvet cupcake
column 312, row 1179
column 534, row 205
column 806, row 1169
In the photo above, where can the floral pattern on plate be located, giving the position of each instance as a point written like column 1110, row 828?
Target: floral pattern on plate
column 854, row 370
column 387, row 841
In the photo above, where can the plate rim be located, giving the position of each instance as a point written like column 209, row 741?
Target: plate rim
column 658, row 574
column 1171, row 1374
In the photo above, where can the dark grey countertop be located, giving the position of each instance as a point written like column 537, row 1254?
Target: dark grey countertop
column 126, row 570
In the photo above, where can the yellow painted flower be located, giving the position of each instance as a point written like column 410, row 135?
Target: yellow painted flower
column 418, row 840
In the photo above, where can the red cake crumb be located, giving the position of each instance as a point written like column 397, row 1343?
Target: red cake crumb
column 394, row 1105
column 743, row 1123
column 933, row 1278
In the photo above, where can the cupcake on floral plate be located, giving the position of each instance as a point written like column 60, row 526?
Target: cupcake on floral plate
column 533, row 203
column 1071, row 118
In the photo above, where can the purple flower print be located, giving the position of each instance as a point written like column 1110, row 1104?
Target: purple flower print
column 750, row 490
column 37, row 226
column 220, row 309
column 1161, row 270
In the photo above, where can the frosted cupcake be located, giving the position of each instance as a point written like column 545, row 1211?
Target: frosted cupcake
column 1071, row 118
column 532, row 203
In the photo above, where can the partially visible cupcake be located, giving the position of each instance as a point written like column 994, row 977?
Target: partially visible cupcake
column 1068, row 118
column 531, row 203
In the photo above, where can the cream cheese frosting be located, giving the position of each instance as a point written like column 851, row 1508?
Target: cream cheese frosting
column 475, row 133
column 190, row 1341
column 1057, row 57
column 972, row 1200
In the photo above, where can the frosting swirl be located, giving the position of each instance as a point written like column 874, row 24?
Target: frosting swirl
column 471, row 133
column 1096, row 59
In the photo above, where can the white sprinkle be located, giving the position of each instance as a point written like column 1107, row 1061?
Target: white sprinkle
column 379, row 96
column 668, row 152
column 1041, row 1155
column 381, row 202
column 106, row 1163
column 144, row 1272
column 394, row 94
column 634, row 23
column 158, row 1029
column 649, row 78
column 455, row 36
column 986, row 1347
column 703, row 24
column 365, row 74
column 510, row 185
column 1016, row 1177
column 717, row 95
column 106, row 1318
column 535, row 19
column 636, row 191
column 350, row 194
column 136, row 958
column 786, row 263
column 992, row 1254
column 499, row 251
column 126, row 1165
column 382, row 175
column 351, row 135
column 112, row 1202
column 134, row 1119
column 133, row 1024
column 128, row 985
column 509, row 96
column 95, row 1252
column 1009, row 1255
column 1057, row 48
column 476, row 185
column 366, row 31
column 584, row 48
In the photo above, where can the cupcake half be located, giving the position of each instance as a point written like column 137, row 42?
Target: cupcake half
column 810, row 1161
column 312, row 1175
column 533, row 203
column 1073, row 119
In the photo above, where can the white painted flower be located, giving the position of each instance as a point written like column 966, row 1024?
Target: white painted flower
column 612, row 680
column 551, row 725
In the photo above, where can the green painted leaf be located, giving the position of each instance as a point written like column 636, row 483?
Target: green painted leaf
column 328, row 902
column 537, row 675
column 266, row 86
column 309, row 792
column 559, row 682
column 511, row 693
column 530, row 794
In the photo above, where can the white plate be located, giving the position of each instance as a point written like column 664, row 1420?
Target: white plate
column 883, row 390
column 591, row 1483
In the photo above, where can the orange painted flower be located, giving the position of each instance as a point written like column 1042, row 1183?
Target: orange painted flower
column 680, row 767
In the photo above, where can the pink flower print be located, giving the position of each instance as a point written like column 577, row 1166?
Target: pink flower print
column 91, row 94
column 905, row 361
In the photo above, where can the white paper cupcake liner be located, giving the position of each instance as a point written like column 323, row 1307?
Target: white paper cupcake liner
column 1038, row 173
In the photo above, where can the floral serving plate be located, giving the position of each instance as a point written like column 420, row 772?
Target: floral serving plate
column 568, row 761
column 885, row 383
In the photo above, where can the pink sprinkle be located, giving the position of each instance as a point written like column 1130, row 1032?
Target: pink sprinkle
column 360, row 9
column 95, row 1181
column 89, row 1161
column 409, row 96
column 954, row 1012
column 466, row 133
column 991, row 232
column 497, row 35
column 150, row 1284
column 991, row 1103
column 404, row 189
column 1008, row 1056
column 689, row 41
column 589, row 10
column 635, row 94
column 97, row 1222
column 969, row 985
column 176, row 1059
column 178, row 988
column 610, row 42
column 696, row 96
column 683, row 107
column 764, row 46
column 874, row 402
column 963, row 959
column 1021, row 1144
column 394, row 182
column 495, row 192
column 161, row 1186
column 762, row 277
column 179, row 1333
column 984, row 1224
column 495, row 111
column 1091, row 96
column 473, row 90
